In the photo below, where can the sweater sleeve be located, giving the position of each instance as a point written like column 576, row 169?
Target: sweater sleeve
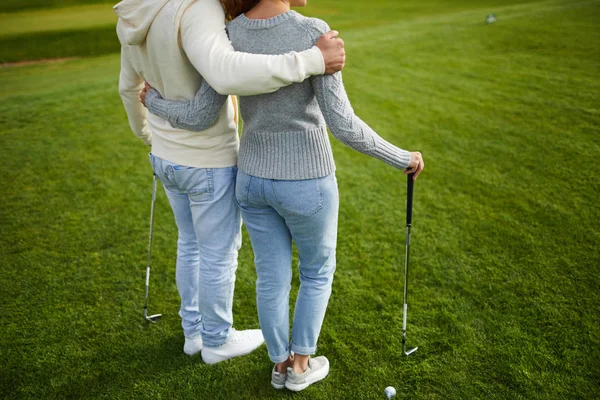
column 208, row 48
column 130, row 84
column 348, row 128
column 198, row 114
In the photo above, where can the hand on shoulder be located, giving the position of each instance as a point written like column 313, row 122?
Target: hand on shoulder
column 331, row 46
column 334, row 52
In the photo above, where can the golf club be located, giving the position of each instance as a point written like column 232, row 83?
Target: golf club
column 156, row 317
column 409, row 204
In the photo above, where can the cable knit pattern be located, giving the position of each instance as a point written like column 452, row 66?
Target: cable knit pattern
column 284, row 133
column 348, row 128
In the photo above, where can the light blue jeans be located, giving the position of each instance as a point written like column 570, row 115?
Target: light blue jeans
column 275, row 213
column 209, row 225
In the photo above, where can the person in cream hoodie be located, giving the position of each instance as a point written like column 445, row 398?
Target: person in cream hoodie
column 175, row 45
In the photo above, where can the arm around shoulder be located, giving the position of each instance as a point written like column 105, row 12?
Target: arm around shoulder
column 208, row 48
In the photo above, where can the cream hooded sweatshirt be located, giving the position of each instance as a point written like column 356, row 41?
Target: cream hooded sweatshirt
column 174, row 45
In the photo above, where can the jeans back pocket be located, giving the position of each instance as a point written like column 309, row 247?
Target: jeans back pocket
column 197, row 183
column 301, row 198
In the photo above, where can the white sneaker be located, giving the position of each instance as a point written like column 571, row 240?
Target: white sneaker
column 192, row 346
column 318, row 369
column 278, row 378
column 239, row 343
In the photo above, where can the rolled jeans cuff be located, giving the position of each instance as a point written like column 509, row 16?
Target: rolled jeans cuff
column 304, row 351
column 193, row 335
column 217, row 340
column 280, row 358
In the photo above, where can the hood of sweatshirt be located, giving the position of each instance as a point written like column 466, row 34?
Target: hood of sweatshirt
column 136, row 17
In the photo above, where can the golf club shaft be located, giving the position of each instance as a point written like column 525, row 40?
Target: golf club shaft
column 409, row 206
column 150, row 243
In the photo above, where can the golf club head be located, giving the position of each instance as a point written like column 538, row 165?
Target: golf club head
column 152, row 318
column 410, row 350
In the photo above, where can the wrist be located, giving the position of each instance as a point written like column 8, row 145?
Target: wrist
column 319, row 61
column 152, row 95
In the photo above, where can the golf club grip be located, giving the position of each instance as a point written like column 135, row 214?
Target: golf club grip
column 410, row 187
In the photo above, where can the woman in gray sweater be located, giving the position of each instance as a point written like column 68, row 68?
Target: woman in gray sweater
column 286, row 185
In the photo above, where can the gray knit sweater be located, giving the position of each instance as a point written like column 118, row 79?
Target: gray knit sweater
column 284, row 135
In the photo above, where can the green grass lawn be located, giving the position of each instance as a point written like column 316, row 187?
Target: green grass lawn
column 505, row 283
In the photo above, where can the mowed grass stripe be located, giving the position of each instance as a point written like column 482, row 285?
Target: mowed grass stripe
column 20, row 5
column 347, row 16
column 42, row 34
column 47, row 45
column 58, row 33
column 412, row 27
column 503, row 301
column 63, row 19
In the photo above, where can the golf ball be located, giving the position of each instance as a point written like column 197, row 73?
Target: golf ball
column 390, row 392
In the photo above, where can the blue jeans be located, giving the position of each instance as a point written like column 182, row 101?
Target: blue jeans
column 209, row 225
column 275, row 213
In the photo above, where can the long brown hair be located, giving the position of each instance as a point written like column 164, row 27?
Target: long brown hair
column 234, row 8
